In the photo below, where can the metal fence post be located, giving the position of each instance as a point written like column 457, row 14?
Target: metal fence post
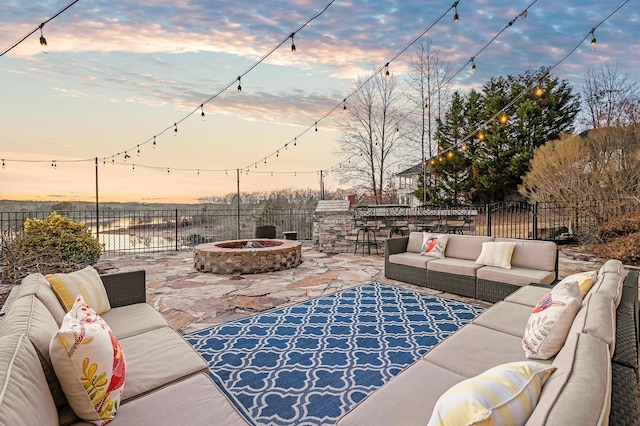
column 534, row 233
column 176, row 229
column 488, row 207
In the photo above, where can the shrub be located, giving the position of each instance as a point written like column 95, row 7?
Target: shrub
column 621, row 236
column 56, row 244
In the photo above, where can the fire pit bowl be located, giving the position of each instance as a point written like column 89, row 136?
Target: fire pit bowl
column 247, row 256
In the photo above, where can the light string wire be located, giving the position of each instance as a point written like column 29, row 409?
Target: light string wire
column 532, row 85
column 522, row 14
column 346, row 161
column 38, row 27
column 225, row 88
column 357, row 89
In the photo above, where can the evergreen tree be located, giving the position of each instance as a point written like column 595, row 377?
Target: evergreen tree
column 484, row 153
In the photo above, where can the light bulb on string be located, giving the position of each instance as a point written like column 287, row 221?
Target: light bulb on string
column 450, row 154
column 133, row 169
column 43, row 41
column 387, row 74
column 239, row 85
column 138, row 153
column 126, row 156
column 344, row 104
column 168, row 171
column 175, row 129
column 202, row 112
column 538, row 92
column 473, row 64
column 198, row 172
column 226, row 173
column 154, row 142
column 593, row 38
column 456, row 18
column 3, row 163
column 503, row 118
column 293, row 46
column 481, row 135
column 295, row 142
column 316, row 126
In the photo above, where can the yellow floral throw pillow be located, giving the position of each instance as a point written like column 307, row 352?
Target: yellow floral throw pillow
column 89, row 364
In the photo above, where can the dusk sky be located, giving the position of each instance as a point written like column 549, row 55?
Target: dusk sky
column 116, row 73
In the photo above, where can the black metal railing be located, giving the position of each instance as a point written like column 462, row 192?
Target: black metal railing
column 136, row 231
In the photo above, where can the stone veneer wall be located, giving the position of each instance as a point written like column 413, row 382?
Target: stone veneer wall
column 335, row 232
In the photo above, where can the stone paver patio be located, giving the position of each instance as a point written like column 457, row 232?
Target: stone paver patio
column 193, row 300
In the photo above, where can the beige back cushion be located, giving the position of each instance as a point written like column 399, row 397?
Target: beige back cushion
column 531, row 254
column 610, row 280
column 37, row 285
column 415, row 242
column 466, row 247
column 29, row 316
column 578, row 392
column 24, row 394
column 597, row 317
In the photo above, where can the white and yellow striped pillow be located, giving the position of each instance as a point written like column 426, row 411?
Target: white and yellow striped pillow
column 496, row 253
column 506, row 394
column 85, row 282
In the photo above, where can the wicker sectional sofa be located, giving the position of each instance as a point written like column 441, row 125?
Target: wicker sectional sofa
column 596, row 369
column 458, row 272
column 167, row 381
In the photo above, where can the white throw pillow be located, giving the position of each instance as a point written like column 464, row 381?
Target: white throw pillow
column 506, row 394
column 548, row 326
column 89, row 364
column 496, row 253
column 434, row 245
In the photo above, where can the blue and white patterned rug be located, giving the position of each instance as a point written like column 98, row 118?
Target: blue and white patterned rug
column 309, row 363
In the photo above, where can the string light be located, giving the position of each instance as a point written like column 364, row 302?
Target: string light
column 344, row 104
column 3, row 163
column 154, row 142
column 43, row 41
column 239, row 85
column 593, row 37
column 387, row 74
column 503, row 118
column 456, row 18
column 473, row 64
column 138, row 150
column 316, row 126
column 538, row 92
column 133, row 168
column 175, row 129
column 481, row 135
column 202, row 111
column 126, row 156
column 293, row 46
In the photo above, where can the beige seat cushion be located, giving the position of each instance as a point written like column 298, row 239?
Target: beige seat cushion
column 193, row 401
column 516, row 275
column 474, row 349
column 454, row 266
column 411, row 259
column 610, row 280
column 408, row 399
column 24, row 395
column 510, row 318
column 160, row 350
column 528, row 295
column 129, row 320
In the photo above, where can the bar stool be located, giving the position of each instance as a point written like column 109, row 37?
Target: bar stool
column 397, row 220
column 365, row 234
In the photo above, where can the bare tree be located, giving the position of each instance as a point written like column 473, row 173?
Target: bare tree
column 429, row 97
column 369, row 136
column 611, row 97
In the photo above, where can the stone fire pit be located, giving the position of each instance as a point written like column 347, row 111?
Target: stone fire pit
column 247, row 256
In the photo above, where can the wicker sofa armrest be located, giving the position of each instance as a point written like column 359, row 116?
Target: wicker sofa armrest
column 395, row 245
column 125, row 288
